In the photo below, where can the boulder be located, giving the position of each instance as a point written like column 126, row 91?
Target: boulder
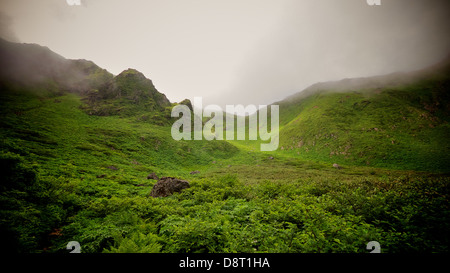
column 337, row 166
column 152, row 176
column 167, row 186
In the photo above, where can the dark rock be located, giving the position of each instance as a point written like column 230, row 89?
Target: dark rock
column 152, row 176
column 112, row 168
column 187, row 103
column 167, row 186
column 194, row 172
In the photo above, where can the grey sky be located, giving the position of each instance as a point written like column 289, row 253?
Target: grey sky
column 237, row 51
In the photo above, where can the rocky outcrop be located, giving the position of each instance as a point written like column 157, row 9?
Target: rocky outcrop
column 188, row 103
column 135, row 87
column 167, row 186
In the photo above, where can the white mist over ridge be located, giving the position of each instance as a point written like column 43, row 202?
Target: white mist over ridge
column 237, row 52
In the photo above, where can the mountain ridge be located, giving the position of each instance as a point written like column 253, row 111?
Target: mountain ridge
column 387, row 120
column 71, row 175
column 399, row 120
column 377, row 81
column 32, row 65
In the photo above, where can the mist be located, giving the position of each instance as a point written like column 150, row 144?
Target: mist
column 237, row 52
column 331, row 40
column 6, row 31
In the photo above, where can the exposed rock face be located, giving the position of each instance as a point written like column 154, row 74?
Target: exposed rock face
column 167, row 186
column 187, row 103
column 133, row 85
column 125, row 94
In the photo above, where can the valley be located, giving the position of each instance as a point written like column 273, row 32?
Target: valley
column 75, row 156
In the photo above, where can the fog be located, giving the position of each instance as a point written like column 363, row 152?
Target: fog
column 237, row 51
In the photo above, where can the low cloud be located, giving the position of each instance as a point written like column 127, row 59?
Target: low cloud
column 6, row 31
column 238, row 52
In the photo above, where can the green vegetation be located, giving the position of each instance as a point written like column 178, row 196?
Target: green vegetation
column 75, row 158
column 129, row 94
column 403, row 128
column 53, row 155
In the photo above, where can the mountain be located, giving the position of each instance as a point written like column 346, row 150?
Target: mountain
column 77, row 145
column 400, row 120
column 32, row 65
column 129, row 93
column 35, row 67
column 441, row 69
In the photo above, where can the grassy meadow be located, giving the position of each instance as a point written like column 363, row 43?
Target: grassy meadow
column 71, row 176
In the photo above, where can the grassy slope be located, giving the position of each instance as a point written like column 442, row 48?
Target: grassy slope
column 68, row 175
column 402, row 127
column 241, row 201
column 55, row 131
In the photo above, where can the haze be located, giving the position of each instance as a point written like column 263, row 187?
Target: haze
column 237, row 51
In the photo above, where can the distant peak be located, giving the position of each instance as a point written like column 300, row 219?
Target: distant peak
column 188, row 103
column 131, row 72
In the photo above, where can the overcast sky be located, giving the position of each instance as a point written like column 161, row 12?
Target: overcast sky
column 237, row 51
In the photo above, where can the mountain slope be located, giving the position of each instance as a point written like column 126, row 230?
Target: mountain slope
column 71, row 175
column 397, row 121
column 43, row 121
column 49, row 140
column 130, row 93
column 36, row 68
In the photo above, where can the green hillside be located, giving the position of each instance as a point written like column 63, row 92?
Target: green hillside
column 399, row 126
column 76, row 149
column 128, row 94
